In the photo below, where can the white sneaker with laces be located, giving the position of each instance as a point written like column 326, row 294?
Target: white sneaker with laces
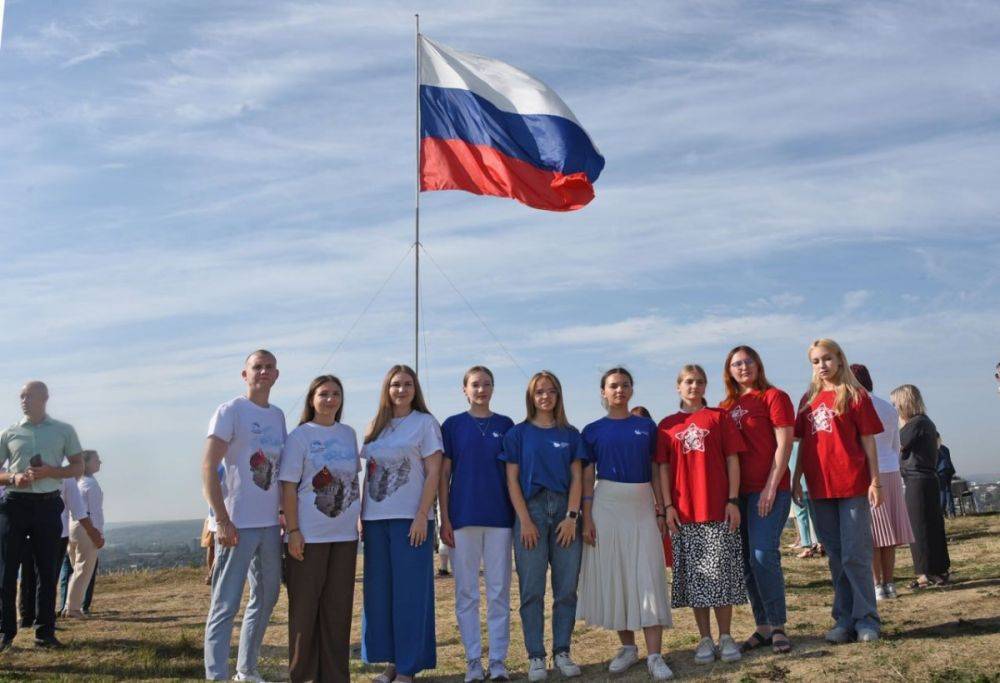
column 474, row 671
column 537, row 670
column 729, row 651
column 498, row 671
column 705, row 652
column 253, row 678
column 567, row 667
column 657, row 667
column 890, row 590
column 626, row 657
column 880, row 593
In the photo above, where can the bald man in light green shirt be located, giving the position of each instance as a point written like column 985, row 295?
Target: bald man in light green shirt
column 34, row 451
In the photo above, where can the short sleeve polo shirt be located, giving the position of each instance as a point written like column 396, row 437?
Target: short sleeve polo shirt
column 51, row 440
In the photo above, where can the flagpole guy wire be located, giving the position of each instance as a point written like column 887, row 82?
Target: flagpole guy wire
column 416, row 208
column 364, row 311
column 482, row 322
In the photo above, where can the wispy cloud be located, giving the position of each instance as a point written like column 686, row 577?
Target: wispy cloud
column 183, row 181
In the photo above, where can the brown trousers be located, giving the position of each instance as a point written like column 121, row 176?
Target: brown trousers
column 320, row 602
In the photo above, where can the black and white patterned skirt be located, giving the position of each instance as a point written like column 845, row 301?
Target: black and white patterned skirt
column 708, row 566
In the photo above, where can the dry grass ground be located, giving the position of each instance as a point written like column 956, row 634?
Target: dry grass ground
column 148, row 625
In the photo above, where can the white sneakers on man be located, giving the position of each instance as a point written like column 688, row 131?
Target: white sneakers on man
column 253, row 678
column 498, row 671
column 537, row 670
column 626, row 657
column 880, row 592
column 474, row 671
column 658, row 669
column 567, row 667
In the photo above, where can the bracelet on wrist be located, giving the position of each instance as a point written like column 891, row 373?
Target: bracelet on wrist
column 293, row 531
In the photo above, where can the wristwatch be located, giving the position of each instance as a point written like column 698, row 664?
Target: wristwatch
column 572, row 514
column 734, row 501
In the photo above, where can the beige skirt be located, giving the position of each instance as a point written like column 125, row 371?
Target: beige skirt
column 890, row 520
column 623, row 581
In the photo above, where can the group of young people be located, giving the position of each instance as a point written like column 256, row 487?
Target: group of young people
column 592, row 508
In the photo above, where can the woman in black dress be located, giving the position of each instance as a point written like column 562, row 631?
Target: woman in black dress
column 918, row 464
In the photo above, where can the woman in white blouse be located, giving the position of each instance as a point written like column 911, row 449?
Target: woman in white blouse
column 403, row 449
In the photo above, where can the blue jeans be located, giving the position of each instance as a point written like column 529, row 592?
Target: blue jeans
column 547, row 510
column 256, row 557
column 802, row 521
column 844, row 527
column 65, row 571
column 762, row 557
column 398, row 621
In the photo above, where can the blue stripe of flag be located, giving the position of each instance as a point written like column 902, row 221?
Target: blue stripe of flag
column 548, row 142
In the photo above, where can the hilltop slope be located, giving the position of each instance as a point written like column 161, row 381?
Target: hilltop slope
column 148, row 625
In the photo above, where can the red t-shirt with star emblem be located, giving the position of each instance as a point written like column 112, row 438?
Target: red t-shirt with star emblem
column 756, row 414
column 696, row 445
column 830, row 450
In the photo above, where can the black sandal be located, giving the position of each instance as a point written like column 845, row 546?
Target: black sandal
column 919, row 585
column 780, row 648
column 754, row 641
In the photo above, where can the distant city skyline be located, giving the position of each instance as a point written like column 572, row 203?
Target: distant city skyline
column 183, row 182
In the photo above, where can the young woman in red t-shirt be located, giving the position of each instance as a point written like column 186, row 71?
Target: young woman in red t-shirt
column 836, row 427
column 697, row 452
column 765, row 417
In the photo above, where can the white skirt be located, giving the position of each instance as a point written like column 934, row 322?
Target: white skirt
column 623, row 581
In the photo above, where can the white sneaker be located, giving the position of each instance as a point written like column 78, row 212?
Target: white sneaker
column 626, row 657
column 537, row 670
column 253, row 678
column 838, row 635
column 705, row 652
column 880, row 593
column 474, row 671
column 867, row 635
column 658, row 668
column 890, row 590
column 729, row 651
column 567, row 667
column 498, row 671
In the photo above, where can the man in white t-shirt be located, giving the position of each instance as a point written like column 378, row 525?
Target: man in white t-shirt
column 246, row 436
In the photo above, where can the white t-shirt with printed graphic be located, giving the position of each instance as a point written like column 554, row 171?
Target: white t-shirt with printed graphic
column 324, row 462
column 395, row 478
column 255, row 436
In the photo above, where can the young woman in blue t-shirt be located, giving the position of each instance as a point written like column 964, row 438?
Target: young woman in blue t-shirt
column 476, row 521
column 544, row 475
column 623, row 578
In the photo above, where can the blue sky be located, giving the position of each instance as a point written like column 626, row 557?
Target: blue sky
column 181, row 182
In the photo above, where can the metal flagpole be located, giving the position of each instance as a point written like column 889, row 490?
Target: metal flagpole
column 416, row 218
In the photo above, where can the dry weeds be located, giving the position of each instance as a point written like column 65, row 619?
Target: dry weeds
column 148, row 625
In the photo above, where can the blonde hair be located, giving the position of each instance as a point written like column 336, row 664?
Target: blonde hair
column 692, row 369
column 558, row 412
column 849, row 389
column 908, row 401
column 384, row 414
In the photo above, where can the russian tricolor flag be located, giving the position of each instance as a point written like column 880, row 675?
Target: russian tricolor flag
column 488, row 128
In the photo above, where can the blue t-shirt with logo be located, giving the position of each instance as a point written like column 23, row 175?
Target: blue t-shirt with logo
column 621, row 449
column 477, row 495
column 544, row 456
